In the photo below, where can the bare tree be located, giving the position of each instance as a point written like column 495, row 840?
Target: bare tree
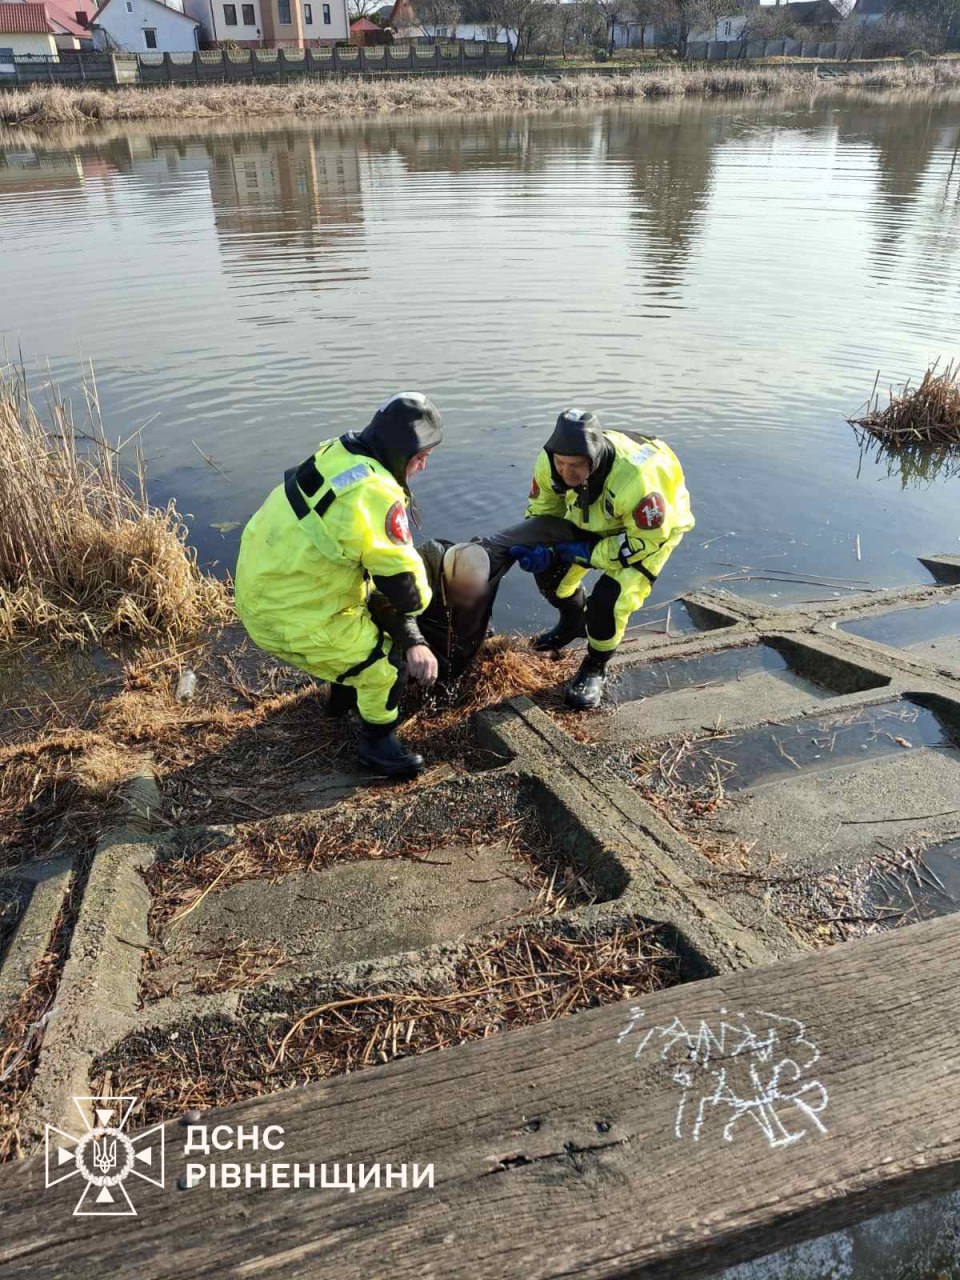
column 647, row 13
column 522, row 20
column 363, row 8
column 613, row 13
column 434, row 16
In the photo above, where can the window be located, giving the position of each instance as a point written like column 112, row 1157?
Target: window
column 249, row 15
column 326, row 15
column 283, row 13
column 129, row 6
column 230, row 15
column 150, row 37
column 308, row 14
column 727, row 28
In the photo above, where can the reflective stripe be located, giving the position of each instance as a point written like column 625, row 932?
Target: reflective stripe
column 349, row 477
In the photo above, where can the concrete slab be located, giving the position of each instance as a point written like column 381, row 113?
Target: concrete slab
column 724, row 687
column 356, row 910
column 835, row 816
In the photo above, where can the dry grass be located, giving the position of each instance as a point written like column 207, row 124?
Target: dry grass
column 925, row 415
column 353, row 97
column 526, row 977
column 83, row 555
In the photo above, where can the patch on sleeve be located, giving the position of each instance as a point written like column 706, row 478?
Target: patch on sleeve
column 651, row 512
column 534, row 489
column 397, row 526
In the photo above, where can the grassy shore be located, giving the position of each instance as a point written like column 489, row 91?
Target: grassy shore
column 339, row 99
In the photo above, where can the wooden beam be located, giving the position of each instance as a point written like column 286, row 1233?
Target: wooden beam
column 710, row 1123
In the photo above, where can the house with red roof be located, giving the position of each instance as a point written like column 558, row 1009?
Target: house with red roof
column 365, row 32
column 38, row 30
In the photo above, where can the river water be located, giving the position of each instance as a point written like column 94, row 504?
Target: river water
column 729, row 276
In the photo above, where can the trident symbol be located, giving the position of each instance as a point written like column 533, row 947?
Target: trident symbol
column 105, row 1154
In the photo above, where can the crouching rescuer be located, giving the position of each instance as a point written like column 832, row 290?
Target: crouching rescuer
column 599, row 500
column 332, row 531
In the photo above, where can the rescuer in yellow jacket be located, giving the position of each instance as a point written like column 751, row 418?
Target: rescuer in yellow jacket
column 599, row 500
column 309, row 557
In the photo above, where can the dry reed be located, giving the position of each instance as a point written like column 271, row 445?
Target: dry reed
column 83, row 555
column 925, row 415
column 351, row 97
column 528, row 976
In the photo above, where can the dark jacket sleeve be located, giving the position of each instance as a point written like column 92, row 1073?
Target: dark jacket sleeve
column 401, row 628
column 386, row 602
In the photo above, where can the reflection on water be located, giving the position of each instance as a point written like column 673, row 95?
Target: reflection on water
column 728, row 275
column 922, row 887
column 904, row 627
column 810, row 745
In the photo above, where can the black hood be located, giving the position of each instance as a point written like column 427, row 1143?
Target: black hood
column 403, row 426
column 580, row 435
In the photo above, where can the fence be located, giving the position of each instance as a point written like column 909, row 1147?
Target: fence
column 221, row 66
column 714, row 50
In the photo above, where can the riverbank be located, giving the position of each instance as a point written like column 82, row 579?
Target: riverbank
column 350, row 98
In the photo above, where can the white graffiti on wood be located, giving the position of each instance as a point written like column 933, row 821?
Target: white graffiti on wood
column 753, row 1068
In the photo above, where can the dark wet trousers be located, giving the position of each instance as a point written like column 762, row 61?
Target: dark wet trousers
column 547, row 531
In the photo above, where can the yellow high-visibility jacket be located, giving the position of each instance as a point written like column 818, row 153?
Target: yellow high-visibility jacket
column 309, row 554
column 644, row 506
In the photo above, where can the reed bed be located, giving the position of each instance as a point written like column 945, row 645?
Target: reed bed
column 359, row 96
column 924, row 415
column 530, row 975
column 84, row 557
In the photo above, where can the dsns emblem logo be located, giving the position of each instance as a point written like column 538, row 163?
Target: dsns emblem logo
column 105, row 1157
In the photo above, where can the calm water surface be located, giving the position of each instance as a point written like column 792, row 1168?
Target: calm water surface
column 729, row 276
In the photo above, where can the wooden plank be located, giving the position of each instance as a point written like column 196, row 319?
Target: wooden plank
column 564, row 1149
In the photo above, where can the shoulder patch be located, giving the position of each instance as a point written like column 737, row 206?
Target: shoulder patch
column 534, row 489
column 396, row 525
column 651, row 512
column 346, row 478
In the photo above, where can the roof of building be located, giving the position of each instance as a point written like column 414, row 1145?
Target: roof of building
column 176, row 13
column 812, row 11
column 364, row 24
column 64, row 21
column 24, row 19
column 872, row 8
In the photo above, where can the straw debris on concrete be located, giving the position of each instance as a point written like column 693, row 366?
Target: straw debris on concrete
column 526, row 977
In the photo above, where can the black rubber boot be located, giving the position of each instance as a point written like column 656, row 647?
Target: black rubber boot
column 341, row 701
column 381, row 750
column 585, row 690
column 571, row 625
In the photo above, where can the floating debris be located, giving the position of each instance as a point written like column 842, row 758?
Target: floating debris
column 928, row 414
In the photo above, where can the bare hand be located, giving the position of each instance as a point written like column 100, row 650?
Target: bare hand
column 421, row 664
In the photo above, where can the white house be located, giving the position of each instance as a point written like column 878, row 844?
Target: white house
column 145, row 26
column 271, row 24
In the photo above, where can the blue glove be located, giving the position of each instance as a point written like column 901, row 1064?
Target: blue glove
column 532, row 559
column 575, row 553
